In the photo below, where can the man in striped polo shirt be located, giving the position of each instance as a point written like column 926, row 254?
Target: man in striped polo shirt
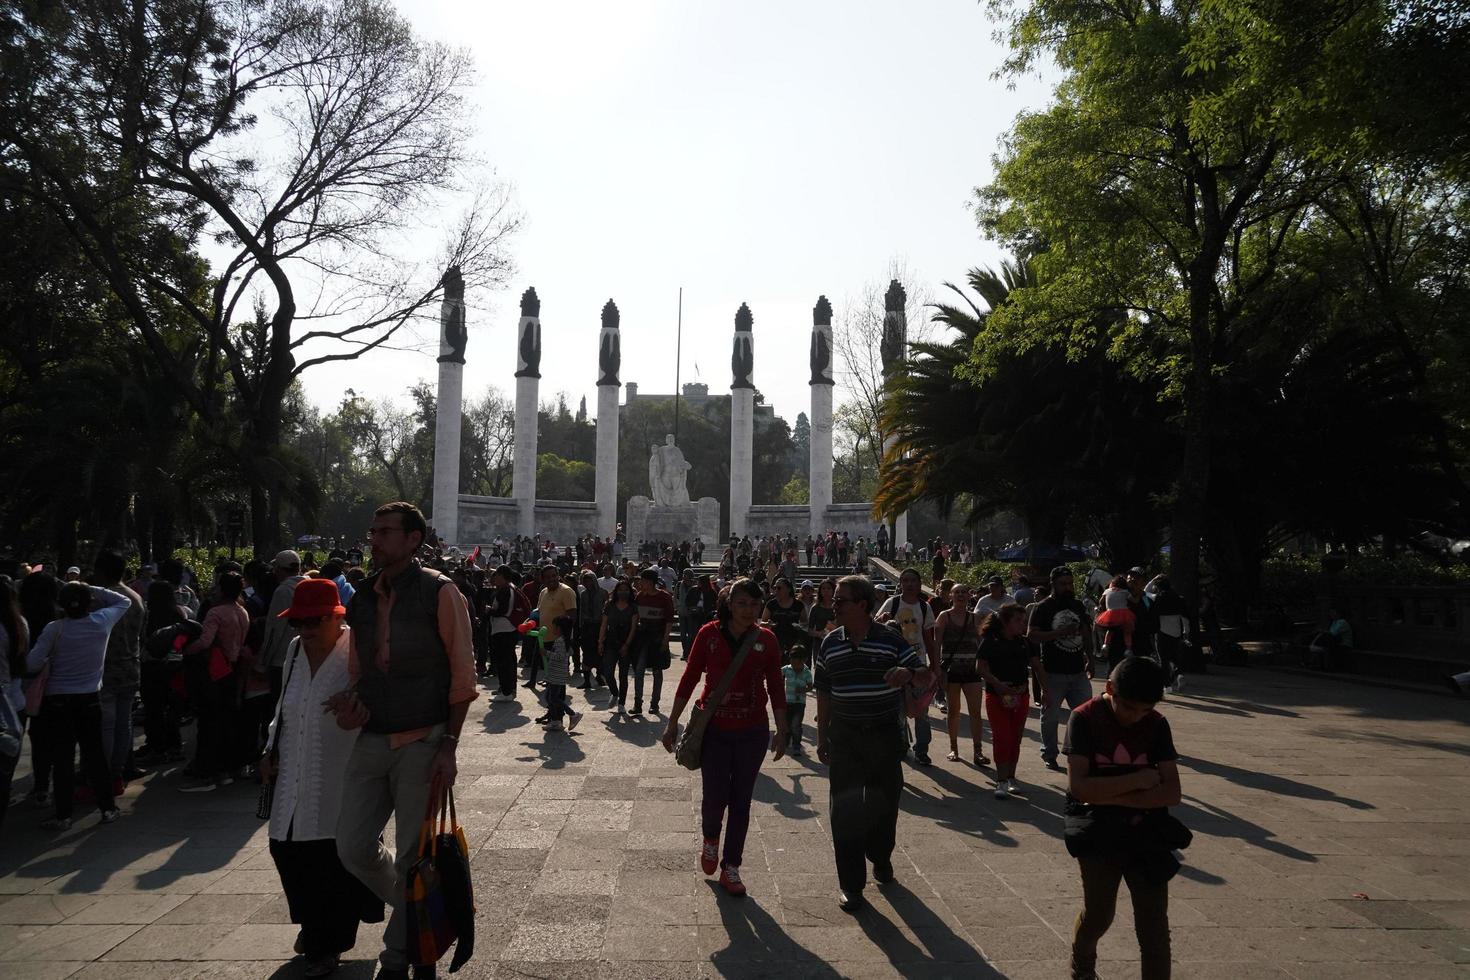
column 859, row 674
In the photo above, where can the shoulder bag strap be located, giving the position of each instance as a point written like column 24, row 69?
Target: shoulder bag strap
column 722, row 688
column 293, row 653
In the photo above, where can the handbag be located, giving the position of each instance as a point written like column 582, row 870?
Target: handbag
column 35, row 687
column 439, row 906
column 690, row 750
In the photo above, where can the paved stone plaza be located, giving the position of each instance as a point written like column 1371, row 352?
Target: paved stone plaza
column 1331, row 841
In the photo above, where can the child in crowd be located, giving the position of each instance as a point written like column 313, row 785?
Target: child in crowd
column 798, row 681
column 1118, row 621
column 1123, row 775
column 558, row 664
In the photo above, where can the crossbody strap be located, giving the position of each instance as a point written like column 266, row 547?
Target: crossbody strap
column 722, row 688
column 295, row 652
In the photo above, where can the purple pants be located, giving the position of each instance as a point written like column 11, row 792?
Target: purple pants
column 730, row 763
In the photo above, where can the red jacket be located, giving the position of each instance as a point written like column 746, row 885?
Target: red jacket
column 758, row 682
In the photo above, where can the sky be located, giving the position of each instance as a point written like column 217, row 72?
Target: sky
column 757, row 152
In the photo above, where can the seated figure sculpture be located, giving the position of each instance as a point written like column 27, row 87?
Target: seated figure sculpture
column 668, row 473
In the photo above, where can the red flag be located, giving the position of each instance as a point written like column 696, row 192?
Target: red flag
column 475, row 555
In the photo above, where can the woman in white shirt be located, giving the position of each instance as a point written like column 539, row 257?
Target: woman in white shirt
column 306, row 757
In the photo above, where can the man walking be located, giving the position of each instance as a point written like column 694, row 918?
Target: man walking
column 286, row 567
column 860, row 671
column 121, row 670
column 651, row 641
column 412, row 663
column 1060, row 624
column 914, row 618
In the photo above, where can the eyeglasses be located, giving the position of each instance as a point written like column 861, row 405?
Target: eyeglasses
column 838, row 600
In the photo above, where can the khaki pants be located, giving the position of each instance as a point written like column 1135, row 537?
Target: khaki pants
column 381, row 781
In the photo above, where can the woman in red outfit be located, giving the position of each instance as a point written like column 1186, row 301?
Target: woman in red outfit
column 737, row 738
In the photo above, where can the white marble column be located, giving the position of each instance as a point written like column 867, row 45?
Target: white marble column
column 528, row 385
column 609, row 361
column 819, row 469
column 893, row 349
column 453, row 336
column 742, row 421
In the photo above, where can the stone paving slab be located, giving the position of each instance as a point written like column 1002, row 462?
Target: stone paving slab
column 1331, row 841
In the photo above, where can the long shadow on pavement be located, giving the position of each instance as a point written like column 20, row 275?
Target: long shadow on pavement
column 942, row 953
column 758, row 942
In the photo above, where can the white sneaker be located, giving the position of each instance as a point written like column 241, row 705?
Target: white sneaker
column 576, row 717
column 1011, row 786
column 1000, row 792
column 503, row 698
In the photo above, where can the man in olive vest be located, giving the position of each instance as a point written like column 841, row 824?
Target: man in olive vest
column 412, row 662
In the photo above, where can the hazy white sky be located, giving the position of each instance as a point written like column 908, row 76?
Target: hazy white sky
column 761, row 152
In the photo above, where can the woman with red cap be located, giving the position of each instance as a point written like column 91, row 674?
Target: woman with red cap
column 305, row 759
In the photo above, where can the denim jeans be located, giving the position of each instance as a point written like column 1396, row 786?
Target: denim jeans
column 1074, row 689
column 117, row 727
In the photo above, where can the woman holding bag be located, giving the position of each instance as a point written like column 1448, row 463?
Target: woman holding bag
column 305, row 759
column 737, row 735
column 209, row 664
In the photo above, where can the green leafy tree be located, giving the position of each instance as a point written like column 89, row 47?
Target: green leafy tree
column 1176, row 162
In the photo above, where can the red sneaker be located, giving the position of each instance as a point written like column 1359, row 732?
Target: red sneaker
column 730, row 880
column 709, row 855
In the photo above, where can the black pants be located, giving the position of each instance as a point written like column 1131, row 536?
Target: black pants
column 211, row 717
column 503, row 659
column 325, row 900
column 591, row 659
column 160, row 706
column 607, row 672
column 866, row 779
column 482, row 648
column 625, row 664
column 1100, row 880
column 650, row 656
column 41, row 753
column 72, row 720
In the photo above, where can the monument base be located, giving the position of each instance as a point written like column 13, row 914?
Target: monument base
column 648, row 521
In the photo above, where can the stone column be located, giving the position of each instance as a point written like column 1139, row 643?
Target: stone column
column 452, row 338
column 893, row 349
column 819, row 469
column 528, row 384
column 609, row 360
column 742, row 422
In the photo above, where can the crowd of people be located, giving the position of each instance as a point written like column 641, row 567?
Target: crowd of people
column 397, row 656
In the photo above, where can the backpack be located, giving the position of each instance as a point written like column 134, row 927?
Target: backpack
column 520, row 607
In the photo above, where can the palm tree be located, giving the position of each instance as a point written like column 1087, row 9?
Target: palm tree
column 1067, row 441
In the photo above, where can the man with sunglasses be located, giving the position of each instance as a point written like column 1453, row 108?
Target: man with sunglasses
column 859, row 674
column 411, row 661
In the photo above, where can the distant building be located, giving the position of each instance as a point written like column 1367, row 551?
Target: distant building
column 696, row 396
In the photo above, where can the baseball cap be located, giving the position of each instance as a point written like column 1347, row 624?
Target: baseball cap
column 1138, row 570
column 807, row 583
column 73, row 570
column 150, row 567
column 995, row 580
column 286, row 559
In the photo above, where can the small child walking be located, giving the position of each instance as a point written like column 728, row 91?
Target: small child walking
column 558, row 664
column 798, row 681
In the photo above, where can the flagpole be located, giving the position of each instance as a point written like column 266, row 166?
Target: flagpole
column 678, row 357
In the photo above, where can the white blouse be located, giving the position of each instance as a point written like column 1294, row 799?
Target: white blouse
column 313, row 750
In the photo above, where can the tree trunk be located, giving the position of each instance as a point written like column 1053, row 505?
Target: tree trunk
column 1188, row 522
